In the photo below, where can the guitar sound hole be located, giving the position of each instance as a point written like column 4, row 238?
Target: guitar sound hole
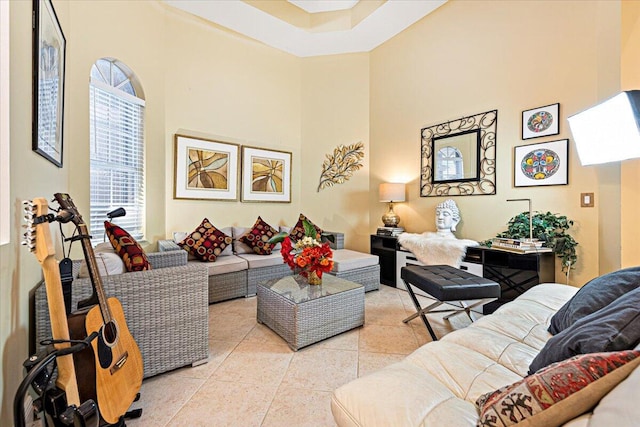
column 110, row 333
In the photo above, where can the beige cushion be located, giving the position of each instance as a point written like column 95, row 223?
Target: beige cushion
column 223, row 264
column 620, row 407
column 257, row 261
column 346, row 260
column 108, row 261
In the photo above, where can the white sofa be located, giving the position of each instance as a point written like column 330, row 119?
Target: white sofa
column 438, row 384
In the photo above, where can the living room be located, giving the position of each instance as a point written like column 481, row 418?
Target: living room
column 199, row 78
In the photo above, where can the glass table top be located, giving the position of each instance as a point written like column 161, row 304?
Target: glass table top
column 296, row 289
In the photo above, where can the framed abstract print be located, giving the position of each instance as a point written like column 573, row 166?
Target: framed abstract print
column 205, row 169
column 266, row 175
column 546, row 163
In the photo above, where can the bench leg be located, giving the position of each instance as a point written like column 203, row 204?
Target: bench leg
column 420, row 311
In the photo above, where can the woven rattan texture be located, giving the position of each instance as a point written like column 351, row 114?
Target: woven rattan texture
column 369, row 277
column 262, row 274
column 311, row 321
column 166, row 311
column 227, row 286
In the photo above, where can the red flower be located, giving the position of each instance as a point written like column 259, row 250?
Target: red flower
column 309, row 258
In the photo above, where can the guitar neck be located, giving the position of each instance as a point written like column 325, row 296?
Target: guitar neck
column 94, row 273
column 59, row 329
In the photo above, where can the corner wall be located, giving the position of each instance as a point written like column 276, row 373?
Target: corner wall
column 470, row 57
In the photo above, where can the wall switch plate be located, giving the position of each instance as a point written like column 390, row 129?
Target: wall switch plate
column 586, row 200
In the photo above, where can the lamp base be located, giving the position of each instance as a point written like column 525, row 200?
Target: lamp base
column 390, row 219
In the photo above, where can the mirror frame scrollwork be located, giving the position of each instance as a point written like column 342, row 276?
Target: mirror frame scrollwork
column 486, row 123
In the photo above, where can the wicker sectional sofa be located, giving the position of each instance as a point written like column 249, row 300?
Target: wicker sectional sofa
column 236, row 274
column 166, row 309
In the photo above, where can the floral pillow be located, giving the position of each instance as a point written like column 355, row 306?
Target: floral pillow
column 558, row 393
column 126, row 246
column 297, row 232
column 206, row 242
column 258, row 237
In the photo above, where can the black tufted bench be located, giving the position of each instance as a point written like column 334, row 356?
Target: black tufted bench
column 446, row 284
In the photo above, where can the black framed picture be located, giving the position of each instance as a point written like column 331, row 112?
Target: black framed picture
column 49, row 47
column 541, row 121
column 546, row 163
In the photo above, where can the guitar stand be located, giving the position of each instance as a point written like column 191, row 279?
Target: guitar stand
column 52, row 400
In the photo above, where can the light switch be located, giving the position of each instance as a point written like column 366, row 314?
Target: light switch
column 586, row 200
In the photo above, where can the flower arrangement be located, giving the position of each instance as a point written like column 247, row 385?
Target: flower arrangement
column 308, row 256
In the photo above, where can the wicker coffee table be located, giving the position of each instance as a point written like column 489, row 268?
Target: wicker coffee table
column 304, row 314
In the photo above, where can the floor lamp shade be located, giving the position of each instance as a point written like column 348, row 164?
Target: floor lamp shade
column 609, row 131
column 391, row 192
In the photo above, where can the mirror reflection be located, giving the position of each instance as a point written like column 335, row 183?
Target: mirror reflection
column 456, row 157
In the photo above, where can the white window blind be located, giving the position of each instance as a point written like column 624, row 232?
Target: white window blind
column 117, row 159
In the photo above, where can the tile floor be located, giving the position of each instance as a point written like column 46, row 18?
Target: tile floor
column 254, row 379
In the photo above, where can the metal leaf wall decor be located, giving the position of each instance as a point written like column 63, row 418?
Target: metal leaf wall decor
column 340, row 166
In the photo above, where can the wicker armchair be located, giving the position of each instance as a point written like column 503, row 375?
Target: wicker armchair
column 166, row 310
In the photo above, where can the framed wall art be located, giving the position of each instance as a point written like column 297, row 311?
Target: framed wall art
column 205, row 169
column 546, row 163
column 49, row 47
column 266, row 175
column 541, row 121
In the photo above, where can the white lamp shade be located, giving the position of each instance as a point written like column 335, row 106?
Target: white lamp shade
column 392, row 192
column 609, row 131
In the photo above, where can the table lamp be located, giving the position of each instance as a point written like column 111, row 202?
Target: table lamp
column 391, row 192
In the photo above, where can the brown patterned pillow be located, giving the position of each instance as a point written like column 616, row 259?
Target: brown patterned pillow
column 297, row 232
column 558, row 393
column 258, row 237
column 206, row 242
column 126, row 246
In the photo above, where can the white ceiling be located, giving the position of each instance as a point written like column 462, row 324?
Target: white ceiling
column 386, row 21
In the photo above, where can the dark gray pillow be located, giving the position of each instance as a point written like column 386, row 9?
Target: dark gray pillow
column 595, row 295
column 612, row 328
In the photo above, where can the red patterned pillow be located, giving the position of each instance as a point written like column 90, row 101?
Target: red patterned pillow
column 126, row 246
column 258, row 237
column 297, row 232
column 558, row 393
column 206, row 242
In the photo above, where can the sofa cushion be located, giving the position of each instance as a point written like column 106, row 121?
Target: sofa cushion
column 557, row 393
column 108, row 261
column 257, row 261
column 225, row 264
column 614, row 327
column 257, row 237
column 206, row 242
column 297, row 232
column 595, row 295
column 346, row 260
column 127, row 248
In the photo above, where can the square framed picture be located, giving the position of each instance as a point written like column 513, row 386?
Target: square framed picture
column 266, row 175
column 546, row 163
column 541, row 121
column 205, row 169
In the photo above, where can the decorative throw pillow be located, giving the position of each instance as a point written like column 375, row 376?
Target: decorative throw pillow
column 297, row 232
column 595, row 295
column 206, row 242
column 258, row 237
column 612, row 328
column 126, row 246
column 558, row 393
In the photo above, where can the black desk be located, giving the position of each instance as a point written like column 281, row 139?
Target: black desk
column 514, row 272
column 385, row 247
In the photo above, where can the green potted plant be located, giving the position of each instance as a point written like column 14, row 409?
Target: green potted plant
column 548, row 227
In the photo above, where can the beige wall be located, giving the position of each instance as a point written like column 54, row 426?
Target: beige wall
column 630, row 169
column 335, row 99
column 470, row 57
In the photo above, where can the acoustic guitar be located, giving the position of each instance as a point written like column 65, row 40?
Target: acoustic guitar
column 38, row 240
column 117, row 362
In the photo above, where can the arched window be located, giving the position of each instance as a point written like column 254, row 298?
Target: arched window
column 450, row 164
column 117, row 147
